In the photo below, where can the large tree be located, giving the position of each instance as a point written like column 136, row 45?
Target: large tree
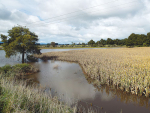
column 103, row 42
column 91, row 43
column 109, row 41
column 21, row 40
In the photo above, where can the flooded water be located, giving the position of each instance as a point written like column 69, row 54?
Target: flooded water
column 68, row 81
column 17, row 59
column 12, row 60
column 55, row 50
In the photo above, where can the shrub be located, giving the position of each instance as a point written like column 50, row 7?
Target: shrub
column 5, row 69
column 17, row 70
column 144, row 44
column 22, row 68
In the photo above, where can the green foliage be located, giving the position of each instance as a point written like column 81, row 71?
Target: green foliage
column 48, row 44
column 138, row 40
column 73, row 44
column 62, row 46
column 53, row 44
column 103, row 42
column 21, row 68
column 5, row 68
column 129, row 43
column 109, row 41
column 17, row 70
column 144, row 44
column 83, row 44
column 91, row 43
column 21, row 40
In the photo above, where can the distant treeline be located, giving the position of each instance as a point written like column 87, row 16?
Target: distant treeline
column 133, row 40
column 138, row 40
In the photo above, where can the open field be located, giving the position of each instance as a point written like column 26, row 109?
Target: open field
column 126, row 68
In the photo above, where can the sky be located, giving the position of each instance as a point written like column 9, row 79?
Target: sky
column 74, row 21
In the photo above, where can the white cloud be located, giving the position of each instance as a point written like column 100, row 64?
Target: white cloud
column 66, row 21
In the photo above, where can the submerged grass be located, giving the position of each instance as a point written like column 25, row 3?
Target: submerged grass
column 126, row 68
column 17, row 96
column 21, row 95
column 124, row 96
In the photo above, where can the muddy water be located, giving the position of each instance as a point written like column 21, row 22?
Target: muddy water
column 68, row 82
column 17, row 59
column 12, row 60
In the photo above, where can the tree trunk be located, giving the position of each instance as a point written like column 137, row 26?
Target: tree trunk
column 23, row 57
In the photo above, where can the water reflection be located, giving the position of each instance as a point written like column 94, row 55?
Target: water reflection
column 17, row 59
column 123, row 96
column 67, row 81
column 12, row 60
column 55, row 50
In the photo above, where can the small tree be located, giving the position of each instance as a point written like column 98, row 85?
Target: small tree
column 73, row 44
column 21, row 40
column 48, row 44
column 53, row 44
column 83, row 44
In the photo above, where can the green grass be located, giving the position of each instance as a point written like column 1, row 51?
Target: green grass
column 18, row 70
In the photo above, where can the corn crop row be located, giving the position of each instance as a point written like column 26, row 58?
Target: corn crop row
column 126, row 68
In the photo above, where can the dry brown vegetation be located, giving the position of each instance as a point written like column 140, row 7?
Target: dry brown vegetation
column 124, row 96
column 126, row 68
column 19, row 95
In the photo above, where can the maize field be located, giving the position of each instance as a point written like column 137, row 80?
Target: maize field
column 126, row 68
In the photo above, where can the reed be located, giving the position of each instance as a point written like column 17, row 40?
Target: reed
column 16, row 97
column 126, row 68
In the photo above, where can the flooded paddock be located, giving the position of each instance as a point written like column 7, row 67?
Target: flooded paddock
column 68, row 81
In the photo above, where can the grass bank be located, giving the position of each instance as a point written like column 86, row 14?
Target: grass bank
column 19, row 97
column 126, row 68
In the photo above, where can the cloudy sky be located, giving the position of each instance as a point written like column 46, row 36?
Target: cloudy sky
column 67, row 21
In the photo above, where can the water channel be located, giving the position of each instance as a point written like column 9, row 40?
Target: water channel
column 68, row 81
